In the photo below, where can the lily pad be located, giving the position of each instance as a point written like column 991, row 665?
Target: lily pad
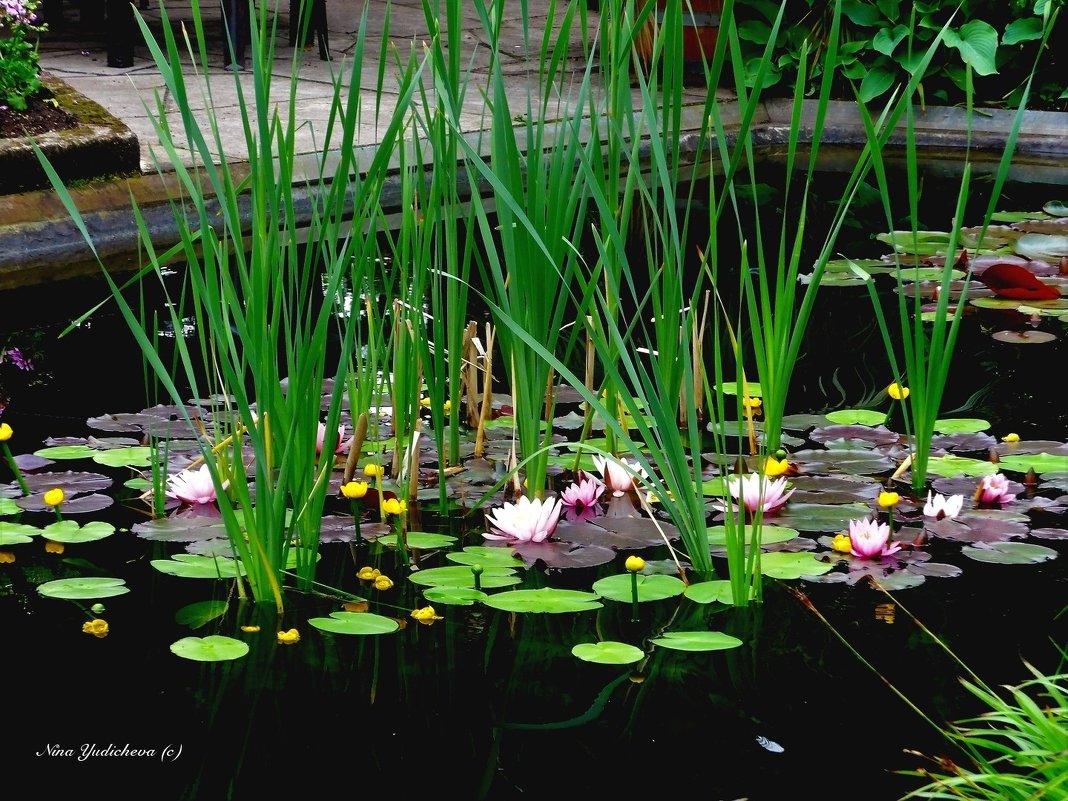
column 1009, row 553
column 86, row 587
column 213, row 648
column 200, row 613
column 1028, row 337
column 355, row 623
column 461, row 576
column 821, row 517
column 697, row 641
column 650, row 588
column 187, row 565
column 16, row 533
column 67, row 531
column 951, row 465
column 8, row 507
column 716, row 591
column 544, row 600
column 454, row 596
column 717, row 535
column 59, row 452
column 139, row 456
column 420, row 540
column 864, row 417
column 485, row 555
column 961, row 425
column 608, row 653
column 1040, row 462
column 787, row 565
column 1042, row 247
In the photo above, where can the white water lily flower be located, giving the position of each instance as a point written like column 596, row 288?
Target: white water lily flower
column 619, row 475
column 524, row 521
column 940, row 506
column 193, row 486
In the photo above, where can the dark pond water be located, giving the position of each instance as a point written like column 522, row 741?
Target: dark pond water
column 484, row 705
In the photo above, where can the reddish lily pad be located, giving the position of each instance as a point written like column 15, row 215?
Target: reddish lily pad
column 976, row 528
column 1050, row 533
column 1024, row 337
column 553, row 553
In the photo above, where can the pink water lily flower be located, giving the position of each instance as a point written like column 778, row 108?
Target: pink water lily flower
column 193, row 486
column 759, row 492
column 342, row 445
column 582, row 494
column 619, row 475
column 994, row 490
column 943, row 506
column 869, row 539
column 525, row 520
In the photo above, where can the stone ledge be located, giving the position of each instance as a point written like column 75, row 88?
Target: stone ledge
column 100, row 147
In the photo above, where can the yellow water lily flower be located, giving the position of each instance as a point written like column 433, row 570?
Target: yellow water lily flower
column 392, row 506
column 775, row 467
column 634, row 564
column 368, row 573
column 54, row 547
column 250, row 629
column 897, row 392
column 354, row 490
column 288, row 637
column 373, row 470
column 1011, row 438
column 54, row 497
column 888, row 500
column 5, row 432
column 842, row 543
column 383, row 583
column 98, row 627
column 6, row 557
column 752, row 403
column 426, row 615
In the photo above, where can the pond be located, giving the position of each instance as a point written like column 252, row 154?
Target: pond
column 483, row 703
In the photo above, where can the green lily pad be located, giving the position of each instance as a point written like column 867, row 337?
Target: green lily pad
column 650, row 588
column 786, row 565
column 294, row 553
column 608, row 653
column 355, row 623
column 731, row 388
column 1042, row 247
column 187, row 565
column 1009, row 553
column 961, row 425
column 1041, row 462
column 1055, row 208
column 16, row 533
column 67, row 531
column 420, row 540
column 200, row 613
column 139, row 456
column 8, row 507
column 769, row 534
column 60, row 452
column 545, row 599
column 213, row 648
column 697, row 641
column 454, row 596
column 864, row 417
column 86, row 587
column 950, row 466
column 487, row 556
column 461, row 576
column 717, row 591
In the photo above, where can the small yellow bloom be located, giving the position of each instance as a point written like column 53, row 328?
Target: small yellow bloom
column 383, row 583
column 355, row 606
column 1011, row 438
column 391, row 506
column 54, row 497
column 354, row 490
column 372, row 470
column 6, row 557
column 5, row 432
column 889, row 499
column 368, row 573
column 897, row 392
column 775, row 467
column 447, row 406
column 752, row 403
column 53, row 547
column 250, row 629
column 634, row 564
column 288, row 637
column 426, row 615
column 98, row 627
column 842, row 543
column 424, row 402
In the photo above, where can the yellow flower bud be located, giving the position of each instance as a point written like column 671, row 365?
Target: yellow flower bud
column 888, row 499
column 752, row 403
column 634, row 564
column 354, row 490
column 447, row 407
column 372, row 470
column 897, row 392
column 98, row 627
column 426, row 615
column 1011, row 438
column 383, row 583
column 775, row 467
column 5, row 432
column 250, row 629
column 54, row 547
column 288, row 637
column 6, row 557
column 842, row 543
column 391, row 506
column 368, row 573
column 54, row 497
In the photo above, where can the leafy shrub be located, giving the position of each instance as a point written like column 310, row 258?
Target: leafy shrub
column 884, row 40
column 20, row 71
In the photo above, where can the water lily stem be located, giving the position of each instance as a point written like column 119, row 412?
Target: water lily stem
column 633, row 597
column 15, row 469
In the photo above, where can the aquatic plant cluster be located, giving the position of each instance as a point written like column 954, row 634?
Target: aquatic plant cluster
column 614, row 414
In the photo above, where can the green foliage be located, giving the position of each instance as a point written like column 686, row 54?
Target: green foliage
column 20, row 72
column 884, row 39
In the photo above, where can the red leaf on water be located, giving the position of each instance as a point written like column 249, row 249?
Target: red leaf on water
column 1012, row 281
